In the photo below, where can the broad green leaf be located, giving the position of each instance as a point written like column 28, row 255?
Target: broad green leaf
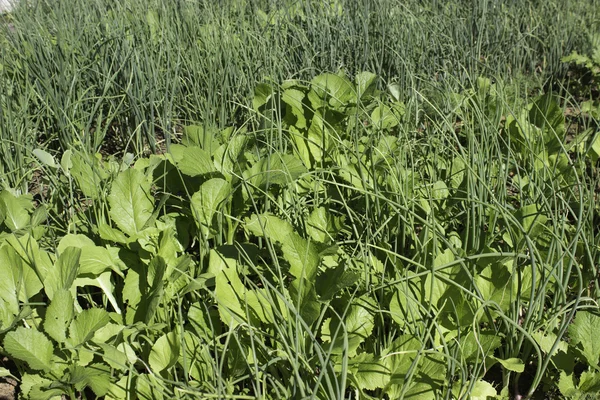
column 260, row 303
column 479, row 346
column 120, row 390
column 566, row 385
column 94, row 376
column 384, row 118
column 229, row 288
column 333, row 280
column 63, row 273
column 5, row 372
column 15, row 210
column 148, row 388
column 547, row 339
column 302, row 147
column 120, row 357
column 336, row 90
column 30, row 346
column 512, row 364
column 481, row 390
column 594, row 151
column 269, row 226
column 165, row 352
column 130, row 201
column 201, row 321
column 65, row 162
column 428, row 380
column 152, row 296
column 45, row 158
column 29, row 381
column 229, row 158
column 495, row 284
column 357, row 327
column 135, row 284
column 302, row 256
column 394, row 90
column 88, row 173
column 318, row 225
column 293, row 98
column 304, row 296
column 584, row 331
column 589, row 382
column 429, row 375
column 59, row 315
column 532, row 219
column 546, row 114
column 278, row 169
column 11, row 283
column 262, row 93
column 72, row 240
column 404, row 305
column 300, row 253
column 95, row 260
column 36, row 263
column 365, row 83
column 108, row 332
column 202, row 136
column 207, row 201
column 45, row 392
column 86, row 324
column 195, row 358
column 192, row 160
column 111, row 234
column 318, row 140
column 440, row 191
column 369, row 372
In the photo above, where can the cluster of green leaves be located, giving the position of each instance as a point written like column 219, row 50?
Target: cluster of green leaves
column 119, row 75
column 587, row 82
column 325, row 250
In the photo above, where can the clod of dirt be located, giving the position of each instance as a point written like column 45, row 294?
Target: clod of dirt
column 7, row 388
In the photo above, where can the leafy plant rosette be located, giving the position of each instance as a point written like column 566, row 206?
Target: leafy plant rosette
column 306, row 250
